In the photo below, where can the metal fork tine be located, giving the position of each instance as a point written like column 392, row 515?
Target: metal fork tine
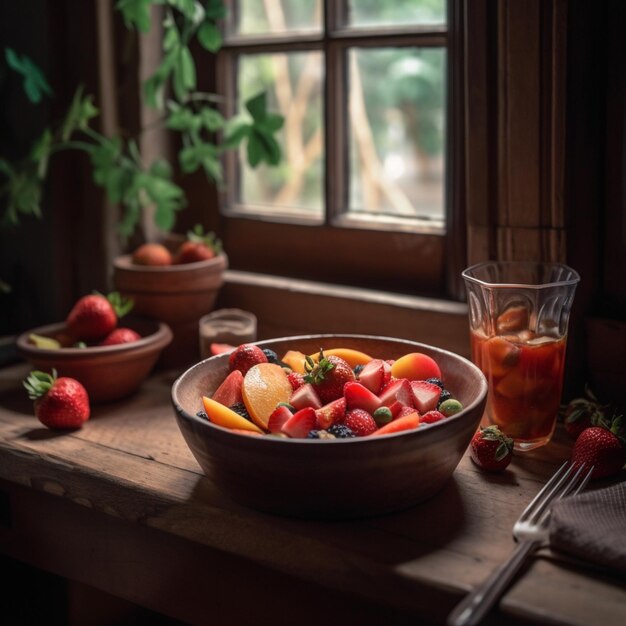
column 566, row 490
column 552, row 484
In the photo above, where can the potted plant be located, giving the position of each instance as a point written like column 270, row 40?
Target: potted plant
column 176, row 293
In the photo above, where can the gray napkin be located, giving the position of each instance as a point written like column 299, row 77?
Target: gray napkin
column 592, row 526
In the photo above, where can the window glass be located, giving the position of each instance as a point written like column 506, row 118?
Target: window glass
column 396, row 12
column 397, row 131
column 294, row 86
column 257, row 17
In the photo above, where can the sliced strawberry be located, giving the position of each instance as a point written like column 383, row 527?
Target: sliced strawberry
column 395, row 408
column 375, row 375
column 300, row 423
column 398, row 390
column 404, row 411
column 425, row 395
column 359, row 397
column 229, row 392
column 406, row 422
column 296, row 380
column 331, row 413
column 277, row 419
column 430, row 417
column 360, row 422
column 305, row 396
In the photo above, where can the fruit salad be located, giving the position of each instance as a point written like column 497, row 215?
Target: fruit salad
column 337, row 393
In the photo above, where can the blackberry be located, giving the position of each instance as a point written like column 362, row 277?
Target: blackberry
column 445, row 395
column 357, row 370
column 320, row 434
column 203, row 415
column 435, row 381
column 341, row 431
column 240, row 409
column 272, row 357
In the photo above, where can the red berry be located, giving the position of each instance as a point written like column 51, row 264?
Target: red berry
column 328, row 376
column 152, row 254
column 244, row 357
column 192, row 252
column 296, row 380
column 431, row 417
column 601, row 447
column 92, row 317
column 120, row 335
column 60, row 403
column 491, row 449
column 360, row 422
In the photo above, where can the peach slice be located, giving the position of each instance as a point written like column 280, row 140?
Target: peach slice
column 415, row 366
column 223, row 416
column 264, row 386
column 295, row 360
column 350, row 356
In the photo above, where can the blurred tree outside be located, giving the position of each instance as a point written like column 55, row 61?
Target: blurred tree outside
column 396, row 106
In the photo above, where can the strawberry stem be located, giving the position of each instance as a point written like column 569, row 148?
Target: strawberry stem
column 122, row 306
column 39, row 383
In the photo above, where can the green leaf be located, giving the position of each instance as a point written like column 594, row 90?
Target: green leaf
column 257, row 106
column 153, row 86
column 40, row 152
column 135, row 13
column 192, row 157
column 236, row 134
column 35, row 83
column 264, row 148
column 255, row 149
column 187, row 68
column 271, row 123
column 165, row 195
column 191, row 9
column 78, row 115
column 6, row 168
column 210, row 37
column 215, row 9
column 182, row 119
column 211, row 119
column 161, row 168
column 171, row 39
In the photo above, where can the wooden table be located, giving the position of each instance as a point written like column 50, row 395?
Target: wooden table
column 122, row 505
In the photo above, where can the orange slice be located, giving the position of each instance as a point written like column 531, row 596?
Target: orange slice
column 350, row 356
column 264, row 386
column 295, row 360
column 223, row 416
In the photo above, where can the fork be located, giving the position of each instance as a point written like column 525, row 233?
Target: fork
column 529, row 531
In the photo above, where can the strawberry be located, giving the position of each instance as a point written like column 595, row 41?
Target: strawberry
column 278, row 417
column 300, row 423
column 95, row 316
column 360, row 422
column 244, row 357
column 375, row 375
column 430, row 417
column 296, row 380
column 358, row 397
column 152, row 254
column 305, row 396
column 120, row 335
column 398, row 390
column 581, row 413
column 491, row 449
column 331, row 413
column 229, row 391
column 60, row 403
column 328, row 376
column 198, row 247
column 602, row 447
column 425, row 395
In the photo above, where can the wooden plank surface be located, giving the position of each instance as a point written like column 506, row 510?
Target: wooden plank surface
column 130, row 463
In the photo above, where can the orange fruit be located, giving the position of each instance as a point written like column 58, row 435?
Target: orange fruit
column 264, row 386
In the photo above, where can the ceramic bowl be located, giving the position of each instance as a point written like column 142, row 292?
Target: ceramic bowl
column 107, row 372
column 332, row 479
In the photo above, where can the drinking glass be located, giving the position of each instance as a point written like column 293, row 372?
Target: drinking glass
column 518, row 316
column 229, row 326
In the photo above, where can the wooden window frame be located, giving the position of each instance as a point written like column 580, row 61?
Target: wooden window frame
column 378, row 253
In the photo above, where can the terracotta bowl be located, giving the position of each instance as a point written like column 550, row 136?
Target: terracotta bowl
column 342, row 478
column 178, row 295
column 108, row 372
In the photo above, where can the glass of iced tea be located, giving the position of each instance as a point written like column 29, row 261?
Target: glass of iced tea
column 518, row 315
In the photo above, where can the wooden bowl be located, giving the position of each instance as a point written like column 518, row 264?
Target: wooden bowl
column 332, row 479
column 107, row 372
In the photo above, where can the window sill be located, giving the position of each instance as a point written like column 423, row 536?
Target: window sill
column 287, row 306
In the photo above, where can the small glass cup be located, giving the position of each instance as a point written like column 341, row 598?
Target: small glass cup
column 518, row 315
column 229, row 326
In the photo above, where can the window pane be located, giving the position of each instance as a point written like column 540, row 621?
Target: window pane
column 396, row 12
column 294, row 84
column 397, row 131
column 256, row 17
